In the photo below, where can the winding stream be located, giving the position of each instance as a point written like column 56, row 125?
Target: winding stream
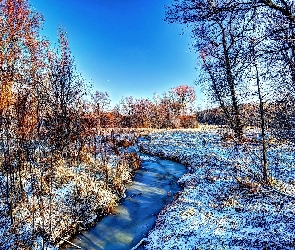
column 153, row 187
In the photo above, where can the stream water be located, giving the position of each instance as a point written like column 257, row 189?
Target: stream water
column 153, row 187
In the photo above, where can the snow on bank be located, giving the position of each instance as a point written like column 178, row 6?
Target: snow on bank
column 216, row 210
column 54, row 197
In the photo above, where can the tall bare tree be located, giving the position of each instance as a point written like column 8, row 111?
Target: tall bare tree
column 219, row 38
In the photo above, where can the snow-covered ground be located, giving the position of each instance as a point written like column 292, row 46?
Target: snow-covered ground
column 60, row 197
column 223, row 205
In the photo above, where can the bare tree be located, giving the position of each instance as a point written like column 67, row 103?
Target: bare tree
column 101, row 103
column 219, row 38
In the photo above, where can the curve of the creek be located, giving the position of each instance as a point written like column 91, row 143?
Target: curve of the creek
column 153, row 187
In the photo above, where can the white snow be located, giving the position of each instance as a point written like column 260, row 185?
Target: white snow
column 223, row 205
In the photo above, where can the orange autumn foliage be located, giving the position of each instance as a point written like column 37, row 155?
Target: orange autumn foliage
column 20, row 48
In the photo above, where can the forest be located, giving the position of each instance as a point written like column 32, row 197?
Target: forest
column 66, row 155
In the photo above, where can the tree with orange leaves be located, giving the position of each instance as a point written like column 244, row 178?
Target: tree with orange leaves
column 19, row 45
column 20, row 50
column 183, row 96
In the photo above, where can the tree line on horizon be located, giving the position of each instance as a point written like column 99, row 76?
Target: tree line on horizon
column 174, row 109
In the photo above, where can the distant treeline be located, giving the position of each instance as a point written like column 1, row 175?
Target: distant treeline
column 171, row 110
column 277, row 117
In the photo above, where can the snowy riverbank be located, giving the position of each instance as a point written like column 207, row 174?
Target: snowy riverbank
column 222, row 206
column 55, row 196
column 153, row 186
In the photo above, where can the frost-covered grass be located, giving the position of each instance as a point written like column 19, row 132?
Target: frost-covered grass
column 54, row 197
column 223, row 204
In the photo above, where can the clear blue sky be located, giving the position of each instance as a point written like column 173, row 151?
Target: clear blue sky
column 124, row 47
